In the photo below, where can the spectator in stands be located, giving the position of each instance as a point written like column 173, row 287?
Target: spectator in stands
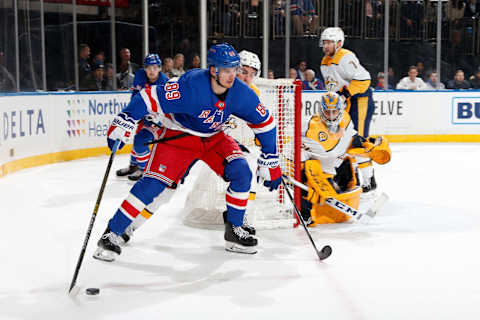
column 472, row 9
column 311, row 82
column 178, row 62
column 126, row 70
column 99, row 58
column 421, row 70
column 475, row 80
column 279, row 17
column 292, row 73
column 167, row 67
column 455, row 10
column 108, row 77
column 303, row 14
column 412, row 82
column 94, row 81
column 83, row 65
column 302, row 66
column 270, row 74
column 195, row 61
column 411, row 16
column 392, row 79
column 433, row 83
column 381, row 82
column 7, row 81
column 459, row 82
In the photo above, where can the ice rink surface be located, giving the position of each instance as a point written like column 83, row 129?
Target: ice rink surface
column 418, row 259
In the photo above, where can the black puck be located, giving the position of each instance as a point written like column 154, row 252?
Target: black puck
column 92, row 291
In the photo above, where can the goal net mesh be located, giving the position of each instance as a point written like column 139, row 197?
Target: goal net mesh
column 206, row 201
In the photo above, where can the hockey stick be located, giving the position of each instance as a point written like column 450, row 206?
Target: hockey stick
column 334, row 203
column 326, row 250
column 92, row 219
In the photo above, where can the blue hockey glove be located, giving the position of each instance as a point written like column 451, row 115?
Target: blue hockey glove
column 269, row 171
column 121, row 129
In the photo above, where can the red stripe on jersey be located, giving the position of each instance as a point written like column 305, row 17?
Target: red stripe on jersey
column 130, row 209
column 261, row 125
column 237, row 202
column 152, row 101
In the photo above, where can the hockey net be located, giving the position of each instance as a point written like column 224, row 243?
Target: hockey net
column 206, row 201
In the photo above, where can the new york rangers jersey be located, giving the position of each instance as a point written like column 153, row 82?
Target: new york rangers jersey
column 190, row 105
column 140, row 81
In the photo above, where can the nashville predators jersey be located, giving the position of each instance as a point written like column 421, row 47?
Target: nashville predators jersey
column 344, row 69
column 255, row 89
column 320, row 144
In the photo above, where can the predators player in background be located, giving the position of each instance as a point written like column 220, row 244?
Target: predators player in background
column 344, row 74
column 146, row 131
column 331, row 149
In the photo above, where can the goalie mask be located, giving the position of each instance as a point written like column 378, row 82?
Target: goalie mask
column 331, row 110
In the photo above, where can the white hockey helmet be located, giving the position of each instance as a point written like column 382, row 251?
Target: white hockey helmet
column 333, row 33
column 250, row 59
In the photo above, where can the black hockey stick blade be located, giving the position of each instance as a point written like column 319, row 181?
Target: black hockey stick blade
column 326, row 250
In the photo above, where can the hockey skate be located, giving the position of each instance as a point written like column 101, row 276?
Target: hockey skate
column 127, row 171
column 238, row 240
column 246, row 226
column 127, row 235
column 108, row 246
column 136, row 175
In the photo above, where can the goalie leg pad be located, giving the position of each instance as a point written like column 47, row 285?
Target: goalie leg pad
column 319, row 183
column 322, row 214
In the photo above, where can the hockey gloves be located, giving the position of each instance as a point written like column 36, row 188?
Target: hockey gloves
column 319, row 186
column 376, row 149
column 121, row 129
column 269, row 171
column 344, row 93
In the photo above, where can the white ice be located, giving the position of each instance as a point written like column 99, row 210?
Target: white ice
column 418, row 259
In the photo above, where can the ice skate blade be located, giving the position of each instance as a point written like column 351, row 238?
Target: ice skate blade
column 105, row 255
column 238, row 248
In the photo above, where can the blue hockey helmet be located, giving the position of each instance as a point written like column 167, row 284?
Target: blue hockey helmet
column 223, row 56
column 152, row 59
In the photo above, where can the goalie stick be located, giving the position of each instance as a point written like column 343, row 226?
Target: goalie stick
column 326, row 250
column 92, row 221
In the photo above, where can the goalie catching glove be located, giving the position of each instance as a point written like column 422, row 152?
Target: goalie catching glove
column 376, row 149
column 320, row 187
column 121, row 129
column 269, row 171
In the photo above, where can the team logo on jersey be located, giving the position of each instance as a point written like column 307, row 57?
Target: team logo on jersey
column 220, row 105
column 204, row 114
column 162, row 168
column 322, row 136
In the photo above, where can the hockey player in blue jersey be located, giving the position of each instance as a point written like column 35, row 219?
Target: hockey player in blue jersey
column 193, row 111
column 146, row 131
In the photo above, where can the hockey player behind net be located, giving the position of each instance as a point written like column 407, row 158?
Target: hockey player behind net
column 193, row 111
column 331, row 150
column 146, row 131
column 344, row 74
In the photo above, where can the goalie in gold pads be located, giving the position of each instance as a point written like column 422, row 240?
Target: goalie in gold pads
column 332, row 151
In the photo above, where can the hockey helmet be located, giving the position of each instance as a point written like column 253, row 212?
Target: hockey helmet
column 334, row 34
column 222, row 56
column 331, row 110
column 250, row 59
column 152, row 59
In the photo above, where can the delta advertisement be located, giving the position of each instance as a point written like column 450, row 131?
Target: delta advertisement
column 32, row 125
